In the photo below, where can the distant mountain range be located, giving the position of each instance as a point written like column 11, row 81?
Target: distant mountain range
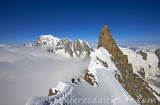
column 77, row 48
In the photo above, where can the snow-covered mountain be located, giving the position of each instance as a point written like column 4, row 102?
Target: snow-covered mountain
column 77, row 48
column 64, row 46
column 47, row 40
column 145, row 64
column 114, row 76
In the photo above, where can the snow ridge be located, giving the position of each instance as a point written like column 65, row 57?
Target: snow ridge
column 108, row 89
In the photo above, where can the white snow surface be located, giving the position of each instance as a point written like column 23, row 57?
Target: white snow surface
column 108, row 92
column 137, row 62
column 150, row 72
column 82, row 42
column 48, row 40
column 105, row 56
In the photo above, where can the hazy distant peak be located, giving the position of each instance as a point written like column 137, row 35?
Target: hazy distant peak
column 47, row 40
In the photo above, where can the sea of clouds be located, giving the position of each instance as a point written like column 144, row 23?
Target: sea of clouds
column 32, row 71
column 142, row 46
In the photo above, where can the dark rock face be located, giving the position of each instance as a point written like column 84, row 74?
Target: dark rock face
column 89, row 77
column 157, row 52
column 67, row 46
column 52, row 93
column 131, row 82
column 64, row 42
column 77, row 47
column 142, row 72
column 105, row 64
column 80, row 46
column 143, row 54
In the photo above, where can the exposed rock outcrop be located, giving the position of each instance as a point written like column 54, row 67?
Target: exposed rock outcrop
column 76, row 47
column 143, row 54
column 51, row 93
column 105, row 64
column 137, row 87
column 142, row 72
column 90, row 78
column 157, row 52
column 106, row 41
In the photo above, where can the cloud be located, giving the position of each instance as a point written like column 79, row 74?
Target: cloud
column 29, row 71
column 142, row 46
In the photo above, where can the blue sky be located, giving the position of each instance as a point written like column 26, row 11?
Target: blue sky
column 130, row 21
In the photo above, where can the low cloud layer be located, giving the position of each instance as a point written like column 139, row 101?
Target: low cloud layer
column 28, row 71
column 151, row 47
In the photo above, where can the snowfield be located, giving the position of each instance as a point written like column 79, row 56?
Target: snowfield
column 137, row 62
column 150, row 66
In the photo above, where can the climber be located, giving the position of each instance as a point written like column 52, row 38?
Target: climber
column 79, row 80
column 73, row 80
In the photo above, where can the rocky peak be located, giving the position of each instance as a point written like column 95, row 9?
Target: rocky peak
column 131, row 82
column 64, row 41
column 106, row 40
column 78, row 47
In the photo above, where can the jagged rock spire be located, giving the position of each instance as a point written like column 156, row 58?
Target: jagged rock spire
column 131, row 82
column 106, row 40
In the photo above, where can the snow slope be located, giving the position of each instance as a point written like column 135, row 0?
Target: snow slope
column 148, row 67
column 137, row 62
column 109, row 91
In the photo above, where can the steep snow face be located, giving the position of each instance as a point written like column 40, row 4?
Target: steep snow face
column 102, row 55
column 47, row 40
column 108, row 91
column 147, row 69
column 150, row 65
